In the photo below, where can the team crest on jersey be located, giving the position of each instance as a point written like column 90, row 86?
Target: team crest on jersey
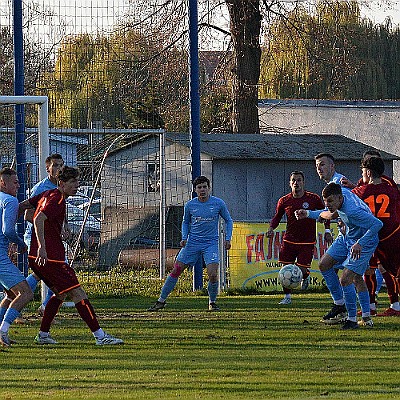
column 306, row 205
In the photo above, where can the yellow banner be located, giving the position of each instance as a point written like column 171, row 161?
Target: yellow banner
column 253, row 257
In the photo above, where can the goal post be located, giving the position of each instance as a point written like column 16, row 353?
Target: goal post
column 43, row 135
column 43, row 124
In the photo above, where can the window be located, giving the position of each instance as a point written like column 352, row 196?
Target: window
column 153, row 180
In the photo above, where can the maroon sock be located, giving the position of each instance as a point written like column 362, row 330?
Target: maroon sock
column 391, row 287
column 50, row 312
column 370, row 280
column 87, row 313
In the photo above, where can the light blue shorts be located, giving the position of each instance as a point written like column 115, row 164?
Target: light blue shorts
column 340, row 251
column 10, row 275
column 193, row 251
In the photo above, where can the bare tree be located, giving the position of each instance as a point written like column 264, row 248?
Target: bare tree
column 245, row 27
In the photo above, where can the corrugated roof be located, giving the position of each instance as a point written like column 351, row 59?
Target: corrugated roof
column 277, row 146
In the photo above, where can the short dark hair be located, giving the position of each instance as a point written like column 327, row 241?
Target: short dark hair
column 8, row 171
column 372, row 152
column 327, row 155
column 375, row 165
column 54, row 156
column 331, row 189
column 297, row 172
column 201, row 179
column 66, row 173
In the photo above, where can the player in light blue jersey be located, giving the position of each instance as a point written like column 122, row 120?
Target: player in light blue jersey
column 199, row 240
column 11, row 278
column 353, row 249
column 54, row 163
column 325, row 166
column 326, row 170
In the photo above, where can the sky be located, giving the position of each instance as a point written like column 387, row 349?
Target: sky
column 377, row 11
column 94, row 16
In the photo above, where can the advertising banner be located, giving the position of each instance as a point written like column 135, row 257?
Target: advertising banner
column 253, row 258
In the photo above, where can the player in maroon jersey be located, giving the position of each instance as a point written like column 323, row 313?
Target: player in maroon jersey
column 385, row 179
column 383, row 200
column 47, row 257
column 299, row 238
column 375, row 266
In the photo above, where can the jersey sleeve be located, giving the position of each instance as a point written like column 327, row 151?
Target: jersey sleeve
column 10, row 216
column 280, row 210
column 185, row 222
column 52, row 207
column 320, row 206
column 224, row 213
column 367, row 220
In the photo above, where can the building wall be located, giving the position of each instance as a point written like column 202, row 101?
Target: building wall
column 251, row 188
column 377, row 126
column 129, row 210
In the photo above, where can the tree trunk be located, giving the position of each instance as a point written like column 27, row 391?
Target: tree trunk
column 245, row 26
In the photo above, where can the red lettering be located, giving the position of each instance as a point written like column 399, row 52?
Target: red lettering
column 250, row 248
column 270, row 244
column 259, row 247
column 277, row 243
column 323, row 245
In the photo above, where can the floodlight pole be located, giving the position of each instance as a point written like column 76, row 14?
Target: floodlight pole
column 195, row 116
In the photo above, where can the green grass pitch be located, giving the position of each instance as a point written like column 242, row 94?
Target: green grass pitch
column 252, row 349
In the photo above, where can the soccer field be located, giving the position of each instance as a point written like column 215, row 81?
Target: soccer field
column 252, row 349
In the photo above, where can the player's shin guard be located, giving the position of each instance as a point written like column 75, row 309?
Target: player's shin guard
column 333, row 284
column 212, row 291
column 364, row 299
column 350, row 299
column 168, row 287
column 87, row 313
column 50, row 312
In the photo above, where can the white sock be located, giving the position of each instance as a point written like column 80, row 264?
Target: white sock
column 5, row 326
column 44, row 334
column 99, row 334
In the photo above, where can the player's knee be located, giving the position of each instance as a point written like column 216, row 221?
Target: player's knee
column 212, row 274
column 176, row 272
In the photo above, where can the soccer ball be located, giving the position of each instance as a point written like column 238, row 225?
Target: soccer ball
column 290, row 276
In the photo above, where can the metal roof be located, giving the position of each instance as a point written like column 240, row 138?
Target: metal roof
column 277, row 146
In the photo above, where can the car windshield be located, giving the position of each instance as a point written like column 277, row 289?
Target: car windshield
column 77, row 214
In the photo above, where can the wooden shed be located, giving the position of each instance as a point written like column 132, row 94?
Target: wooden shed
column 250, row 172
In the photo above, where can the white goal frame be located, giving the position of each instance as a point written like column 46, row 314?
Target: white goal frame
column 43, row 133
column 43, row 124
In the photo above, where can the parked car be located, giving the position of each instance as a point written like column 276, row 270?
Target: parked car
column 83, row 195
column 91, row 234
column 78, row 199
column 87, row 191
column 95, row 208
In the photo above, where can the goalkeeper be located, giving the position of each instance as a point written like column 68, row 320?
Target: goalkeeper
column 199, row 239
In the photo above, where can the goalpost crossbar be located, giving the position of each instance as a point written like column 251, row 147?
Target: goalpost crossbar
column 43, row 124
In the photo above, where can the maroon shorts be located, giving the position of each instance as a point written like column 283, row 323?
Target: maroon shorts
column 300, row 253
column 389, row 254
column 57, row 275
column 374, row 261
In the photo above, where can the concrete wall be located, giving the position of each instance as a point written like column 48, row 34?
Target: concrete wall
column 251, row 188
column 376, row 124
